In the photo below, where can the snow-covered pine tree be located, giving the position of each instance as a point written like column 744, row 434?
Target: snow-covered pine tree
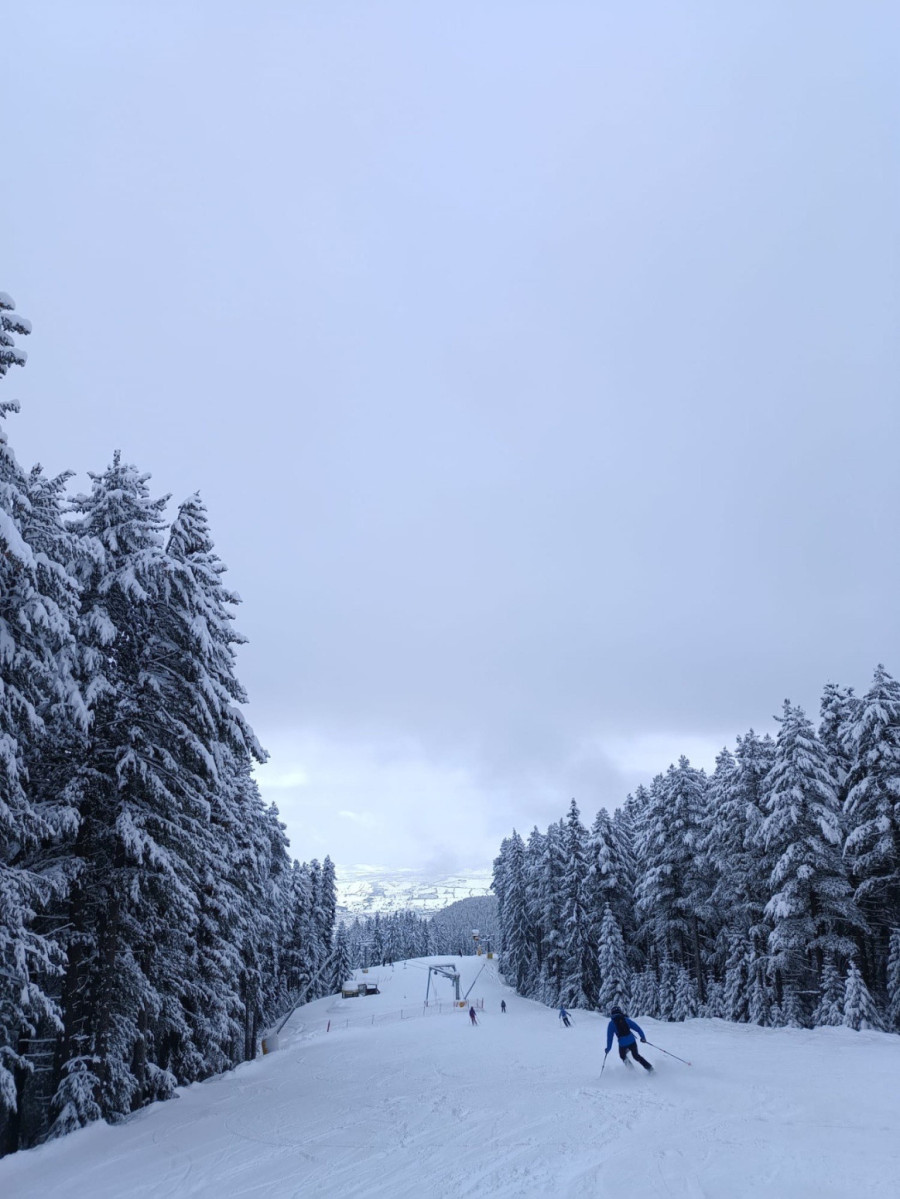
column 47, row 757
column 298, row 934
column 610, row 880
column 722, row 852
column 811, row 907
column 406, row 923
column 667, row 976
column 499, row 875
column 509, row 886
column 731, row 846
column 314, row 955
column 426, row 946
column 418, row 933
column 410, row 936
column 37, row 699
column 736, row 990
column 645, row 993
column 714, row 1007
column 760, row 988
column 685, row 1001
column 267, row 899
column 138, row 806
column 860, row 1009
column 232, row 970
column 375, row 947
column 649, row 880
column 830, row 1008
column 838, row 712
column 576, row 948
column 324, row 916
column 419, row 939
column 615, row 975
column 341, row 961
column 625, row 821
column 754, row 757
column 11, row 323
column 392, row 939
column 551, row 899
column 535, row 849
column 65, row 717
column 355, row 938
column 793, row 1011
column 192, row 655
column 872, row 847
column 673, row 884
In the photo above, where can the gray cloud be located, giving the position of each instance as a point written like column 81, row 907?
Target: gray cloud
column 538, row 366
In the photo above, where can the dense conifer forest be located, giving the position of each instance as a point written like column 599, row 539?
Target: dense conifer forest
column 768, row 891
column 151, row 919
column 371, row 940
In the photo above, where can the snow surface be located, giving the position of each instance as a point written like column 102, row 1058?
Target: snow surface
column 396, row 1106
column 365, row 890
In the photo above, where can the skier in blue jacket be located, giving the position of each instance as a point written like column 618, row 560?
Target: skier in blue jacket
column 620, row 1026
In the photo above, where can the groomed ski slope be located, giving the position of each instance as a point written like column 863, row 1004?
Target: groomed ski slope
column 429, row 1106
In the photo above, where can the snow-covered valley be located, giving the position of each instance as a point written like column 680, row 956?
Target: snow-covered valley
column 365, row 890
column 374, row 1097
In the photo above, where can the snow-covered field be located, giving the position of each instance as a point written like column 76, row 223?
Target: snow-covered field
column 430, row 1106
column 365, row 890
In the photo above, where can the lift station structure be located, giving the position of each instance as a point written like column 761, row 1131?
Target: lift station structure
column 447, row 970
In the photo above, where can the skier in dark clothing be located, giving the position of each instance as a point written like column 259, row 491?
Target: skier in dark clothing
column 502, row 1005
column 564, row 1016
column 472, row 1016
column 620, row 1026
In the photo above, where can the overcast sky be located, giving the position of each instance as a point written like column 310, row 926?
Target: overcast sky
column 538, row 363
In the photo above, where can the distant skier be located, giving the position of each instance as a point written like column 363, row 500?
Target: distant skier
column 472, row 1016
column 564, row 1016
column 502, row 1005
column 620, row 1026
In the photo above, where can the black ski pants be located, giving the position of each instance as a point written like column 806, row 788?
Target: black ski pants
column 624, row 1051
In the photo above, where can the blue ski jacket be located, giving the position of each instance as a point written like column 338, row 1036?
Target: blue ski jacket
column 624, row 1041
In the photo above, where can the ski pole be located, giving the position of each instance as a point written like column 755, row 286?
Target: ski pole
column 666, row 1052
column 603, row 1067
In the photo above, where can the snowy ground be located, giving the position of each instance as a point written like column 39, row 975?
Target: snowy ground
column 429, row 1106
column 365, row 890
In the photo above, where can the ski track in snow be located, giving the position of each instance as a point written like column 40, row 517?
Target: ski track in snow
column 423, row 1107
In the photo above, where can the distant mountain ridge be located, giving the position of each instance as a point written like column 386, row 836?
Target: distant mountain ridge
column 365, row 890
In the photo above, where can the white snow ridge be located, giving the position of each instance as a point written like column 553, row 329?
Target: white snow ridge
column 400, row 1101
